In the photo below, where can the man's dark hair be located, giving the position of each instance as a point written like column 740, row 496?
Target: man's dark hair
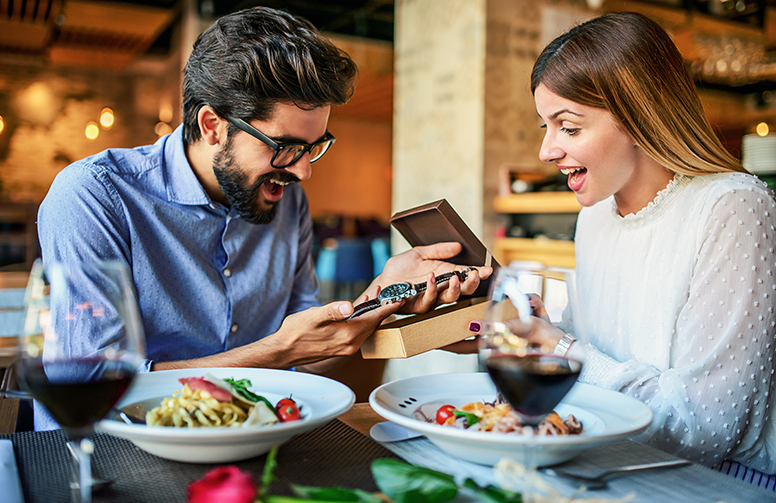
column 251, row 60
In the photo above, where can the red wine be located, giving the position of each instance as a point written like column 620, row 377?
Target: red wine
column 77, row 393
column 533, row 384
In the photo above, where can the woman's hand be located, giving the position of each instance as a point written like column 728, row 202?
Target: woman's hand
column 537, row 332
column 537, row 306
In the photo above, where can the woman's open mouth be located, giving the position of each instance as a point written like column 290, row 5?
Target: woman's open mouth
column 576, row 176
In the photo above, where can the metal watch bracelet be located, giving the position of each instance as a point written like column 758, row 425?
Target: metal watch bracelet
column 564, row 344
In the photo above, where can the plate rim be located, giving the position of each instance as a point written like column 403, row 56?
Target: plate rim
column 644, row 416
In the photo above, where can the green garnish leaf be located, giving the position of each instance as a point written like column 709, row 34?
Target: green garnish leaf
column 492, row 494
column 267, row 476
column 241, row 387
column 471, row 419
column 334, row 494
column 406, row 483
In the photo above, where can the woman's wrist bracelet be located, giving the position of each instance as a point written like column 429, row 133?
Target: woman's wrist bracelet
column 564, row 344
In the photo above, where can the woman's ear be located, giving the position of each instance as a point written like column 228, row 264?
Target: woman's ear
column 212, row 127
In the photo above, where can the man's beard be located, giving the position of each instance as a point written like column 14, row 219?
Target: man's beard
column 243, row 197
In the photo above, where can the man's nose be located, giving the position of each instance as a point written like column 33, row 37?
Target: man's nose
column 302, row 168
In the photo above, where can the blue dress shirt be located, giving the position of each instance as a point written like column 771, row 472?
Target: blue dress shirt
column 206, row 280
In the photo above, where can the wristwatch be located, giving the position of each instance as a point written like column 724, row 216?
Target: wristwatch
column 564, row 344
column 404, row 290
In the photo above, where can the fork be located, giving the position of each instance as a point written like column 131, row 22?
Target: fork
column 598, row 482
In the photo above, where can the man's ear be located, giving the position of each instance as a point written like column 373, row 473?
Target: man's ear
column 213, row 128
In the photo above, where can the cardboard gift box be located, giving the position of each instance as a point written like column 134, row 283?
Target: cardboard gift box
column 411, row 335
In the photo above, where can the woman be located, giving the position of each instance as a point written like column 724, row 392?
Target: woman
column 675, row 242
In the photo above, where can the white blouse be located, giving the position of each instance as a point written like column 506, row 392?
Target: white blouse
column 678, row 301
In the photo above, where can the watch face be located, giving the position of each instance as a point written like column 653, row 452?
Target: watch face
column 397, row 290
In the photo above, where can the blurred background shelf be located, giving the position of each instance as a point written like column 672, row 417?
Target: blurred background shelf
column 538, row 202
column 541, row 217
column 550, row 252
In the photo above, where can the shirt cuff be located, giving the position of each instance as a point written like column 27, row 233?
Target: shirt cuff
column 145, row 367
column 597, row 367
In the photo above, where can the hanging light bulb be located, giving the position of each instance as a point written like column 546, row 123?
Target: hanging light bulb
column 165, row 112
column 92, row 130
column 762, row 129
column 162, row 128
column 2, row 123
column 107, row 118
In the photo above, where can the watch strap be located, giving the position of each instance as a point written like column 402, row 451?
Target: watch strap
column 418, row 288
column 365, row 307
column 564, row 344
column 442, row 278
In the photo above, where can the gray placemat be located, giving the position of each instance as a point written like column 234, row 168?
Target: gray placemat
column 333, row 454
column 688, row 484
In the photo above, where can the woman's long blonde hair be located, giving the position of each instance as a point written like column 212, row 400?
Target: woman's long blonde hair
column 627, row 64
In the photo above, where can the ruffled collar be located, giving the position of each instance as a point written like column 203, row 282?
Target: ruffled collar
column 656, row 208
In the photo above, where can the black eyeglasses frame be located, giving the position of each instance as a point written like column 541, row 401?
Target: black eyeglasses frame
column 277, row 147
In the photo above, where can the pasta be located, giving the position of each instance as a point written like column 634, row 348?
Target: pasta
column 196, row 408
column 494, row 417
column 209, row 401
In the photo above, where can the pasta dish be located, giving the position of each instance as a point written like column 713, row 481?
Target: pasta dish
column 211, row 402
column 495, row 417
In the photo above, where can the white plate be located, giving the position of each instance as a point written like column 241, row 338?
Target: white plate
column 606, row 416
column 320, row 400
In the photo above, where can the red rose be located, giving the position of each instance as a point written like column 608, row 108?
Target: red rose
column 225, row 483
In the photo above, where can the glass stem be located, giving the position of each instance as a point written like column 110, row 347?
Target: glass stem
column 82, row 488
column 529, row 495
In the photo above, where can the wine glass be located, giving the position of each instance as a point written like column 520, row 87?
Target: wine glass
column 530, row 308
column 79, row 348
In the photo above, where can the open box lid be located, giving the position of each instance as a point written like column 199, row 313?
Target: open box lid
column 438, row 222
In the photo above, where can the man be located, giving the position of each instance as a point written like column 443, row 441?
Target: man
column 211, row 221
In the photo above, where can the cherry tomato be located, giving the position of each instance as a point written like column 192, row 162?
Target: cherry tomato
column 287, row 410
column 443, row 413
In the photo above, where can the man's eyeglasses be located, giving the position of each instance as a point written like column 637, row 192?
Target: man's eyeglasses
column 287, row 154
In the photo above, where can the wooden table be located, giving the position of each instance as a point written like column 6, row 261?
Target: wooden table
column 361, row 417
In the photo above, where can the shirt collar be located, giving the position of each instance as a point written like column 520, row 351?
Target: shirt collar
column 182, row 184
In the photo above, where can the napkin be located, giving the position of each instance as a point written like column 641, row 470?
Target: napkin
column 9, row 475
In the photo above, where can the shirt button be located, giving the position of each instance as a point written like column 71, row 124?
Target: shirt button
column 212, row 206
column 227, row 273
column 234, row 328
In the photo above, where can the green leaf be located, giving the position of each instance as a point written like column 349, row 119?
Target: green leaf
column 471, row 419
column 334, row 494
column 242, row 386
column 267, row 476
column 493, row 494
column 406, row 483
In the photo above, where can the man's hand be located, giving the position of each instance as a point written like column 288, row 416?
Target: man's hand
column 323, row 332
column 424, row 263
column 313, row 340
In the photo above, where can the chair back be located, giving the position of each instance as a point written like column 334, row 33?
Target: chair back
column 354, row 261
column 381, row 252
